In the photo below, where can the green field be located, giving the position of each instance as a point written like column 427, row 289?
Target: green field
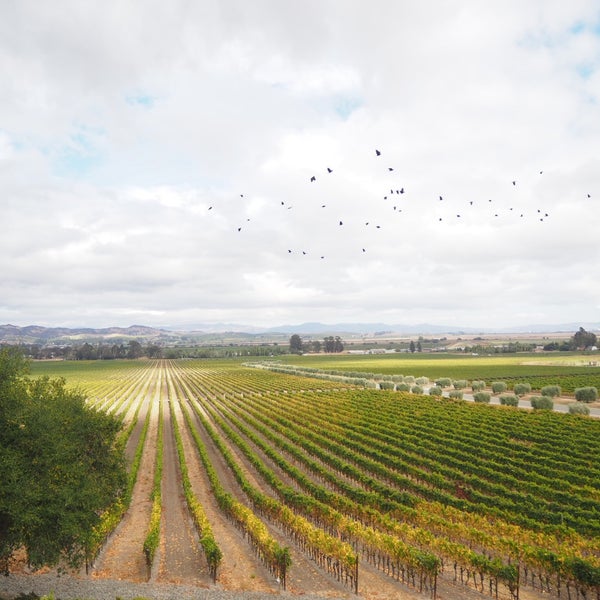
column 568, row 370
column 408, row 480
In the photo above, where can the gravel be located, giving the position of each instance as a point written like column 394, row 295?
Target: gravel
column 66, row 587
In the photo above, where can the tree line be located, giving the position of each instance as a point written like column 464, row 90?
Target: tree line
column 329, row 345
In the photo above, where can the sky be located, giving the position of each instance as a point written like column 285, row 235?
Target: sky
column 156, row 162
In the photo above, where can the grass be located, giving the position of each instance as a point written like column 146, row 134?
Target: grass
column 558, row 368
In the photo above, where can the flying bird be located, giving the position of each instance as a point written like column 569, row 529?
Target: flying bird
column 313, row 178
column 377, row 153
column 329, row 170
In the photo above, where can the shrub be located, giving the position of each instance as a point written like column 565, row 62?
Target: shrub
column 402, row 387
column 371, row 385
column 579, row 408
column 477, row 386
column 586, row 394
column 542, row 403
column 551, row 390
column 520, row 389
column 443, row 382
column 387, row 385
column 435, row 390
column 397, row 378
column 409, row 379
column 416, row 389
column 456, row 394
column 509, row 400
column 482, row 397
column 459, row 384
column 422, row 380
column 498, row 387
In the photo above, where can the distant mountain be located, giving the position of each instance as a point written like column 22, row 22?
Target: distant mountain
column 35, row 334
column 229, row 333
column 366, row 328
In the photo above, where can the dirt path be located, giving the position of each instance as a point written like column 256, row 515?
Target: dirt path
column 181, row 557
column 122, row 556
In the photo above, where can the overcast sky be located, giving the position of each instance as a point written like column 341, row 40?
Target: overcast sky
column 156, row 161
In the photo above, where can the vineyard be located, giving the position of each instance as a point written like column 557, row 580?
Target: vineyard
column 258, row 480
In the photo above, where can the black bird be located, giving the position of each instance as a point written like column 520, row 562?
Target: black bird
column 377, row 153
column 390, row 168
column 313, row 178
column 402, row 190
column 441, row 198
column 329, row 170
column 210, row 208
column 341, row 223
column 514, row 183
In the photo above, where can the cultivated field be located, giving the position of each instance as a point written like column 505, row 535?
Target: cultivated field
column 247, row 479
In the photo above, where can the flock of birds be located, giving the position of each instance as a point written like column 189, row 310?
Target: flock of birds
column 395, row 194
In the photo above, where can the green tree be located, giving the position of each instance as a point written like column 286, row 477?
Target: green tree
column 60, row 467
column 586, row 394
column 583, row 339
column 332, row 344
column 295, row 344
column 412, row 347
column 134, row 349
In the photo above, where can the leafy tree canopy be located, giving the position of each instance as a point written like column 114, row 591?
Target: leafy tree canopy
column 583, row 339
column 60, row 467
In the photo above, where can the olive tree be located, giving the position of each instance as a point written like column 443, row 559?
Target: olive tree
column 509, row 400
column 579, row 408
column 586, row 394
column 542, row 402
column 520, row 389
column 482, row 397
column 551, row 390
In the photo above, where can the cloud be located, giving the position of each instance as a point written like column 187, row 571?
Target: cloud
column 156, row 160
